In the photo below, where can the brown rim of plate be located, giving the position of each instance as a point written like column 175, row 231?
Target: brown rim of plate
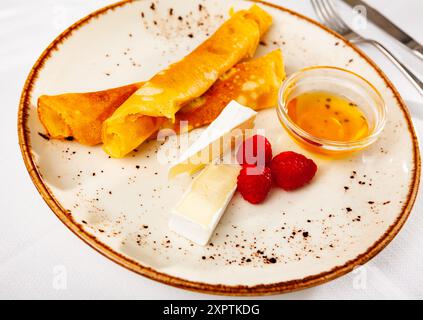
column 261, row 289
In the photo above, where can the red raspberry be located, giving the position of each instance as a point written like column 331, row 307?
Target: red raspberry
column 255, row 150
column 291, row 170
column 254, row 183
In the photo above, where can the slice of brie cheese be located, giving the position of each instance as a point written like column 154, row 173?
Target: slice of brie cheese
column 216, row 139
column 196, row 216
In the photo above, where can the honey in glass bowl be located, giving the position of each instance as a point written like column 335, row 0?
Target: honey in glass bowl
column 331, row 111
column 328, row 116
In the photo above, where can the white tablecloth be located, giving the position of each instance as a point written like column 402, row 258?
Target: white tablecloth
column 36, row 248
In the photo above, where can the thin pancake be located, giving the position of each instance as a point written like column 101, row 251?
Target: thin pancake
column 185, row 80
column 81, row 115
column 254, row 84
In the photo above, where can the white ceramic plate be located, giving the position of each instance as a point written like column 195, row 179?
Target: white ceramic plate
column 353, row 208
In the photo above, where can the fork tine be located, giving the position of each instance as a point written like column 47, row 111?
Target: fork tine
column 316, row 7
column 335, row 16
column 323, row 14
column 330, row 16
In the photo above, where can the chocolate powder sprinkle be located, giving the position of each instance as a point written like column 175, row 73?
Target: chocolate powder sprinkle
column 271, row 260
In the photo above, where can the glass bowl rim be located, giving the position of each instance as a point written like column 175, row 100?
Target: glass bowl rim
column 345, row 145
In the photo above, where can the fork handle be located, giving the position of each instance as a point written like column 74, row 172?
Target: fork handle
column 405, row 71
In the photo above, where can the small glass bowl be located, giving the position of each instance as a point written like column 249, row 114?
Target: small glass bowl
column 340, row 82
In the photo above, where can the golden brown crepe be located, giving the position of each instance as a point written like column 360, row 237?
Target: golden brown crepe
column 81, row 115
column 254, row 84
column 183, row 81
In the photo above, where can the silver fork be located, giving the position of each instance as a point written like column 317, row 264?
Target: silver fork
column 326, row 12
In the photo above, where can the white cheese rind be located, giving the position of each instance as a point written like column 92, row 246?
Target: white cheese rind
column 234, row 116
column 197, row 215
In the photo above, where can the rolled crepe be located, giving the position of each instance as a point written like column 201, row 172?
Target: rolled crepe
column 254, row 84
column 80, row 115
column 164, row 94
